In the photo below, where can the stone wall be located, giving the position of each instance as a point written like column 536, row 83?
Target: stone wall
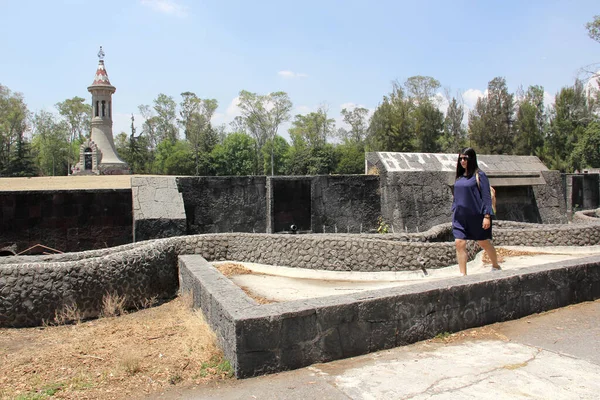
column 147, row 269
column 72, row 220
column 261, row 339
column 345, row 203
column 35, row 291
column 550, row 198
column 416, row 201
column 158, row 210
column 224, row 204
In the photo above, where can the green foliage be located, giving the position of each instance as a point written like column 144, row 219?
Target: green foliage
column 359, row 125
column 51, row 144
column 454, row 137
column 174, row 158
column 491, row 122
column 571, row 116
column 216, row 366
column 593, row 28
column 13, row 125
column 261, row 117
column 443, row 335
column 195, row 119
column 586, row 153
column 279, row 148
column 166, row 117
column 350, row 158
column 382, row 226
column 391, row 127
column 21, row 162
column 429, row 125
column 236, row 156
column 531, row 123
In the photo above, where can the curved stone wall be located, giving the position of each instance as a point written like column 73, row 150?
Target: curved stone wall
column 34, row 288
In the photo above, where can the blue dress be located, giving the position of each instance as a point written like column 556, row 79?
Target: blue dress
column 469, row 206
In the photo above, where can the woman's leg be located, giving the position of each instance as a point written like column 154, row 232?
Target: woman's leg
column 461, row 255
column 491, row 252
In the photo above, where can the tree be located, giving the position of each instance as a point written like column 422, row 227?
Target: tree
column 586, row 153
column 150, row 125
column 530, row 123
column 195, row 119
column 78, row 117
column 21, row 162
column 391, row 126
column 421, row 89
column 349, row 158
column 429, row 125
column 174, row 158
column 235, row 156
column 279, row 148
column 263, row 114
column 13, row 124
column 454, row 136
column 51, row 143
column 309, row 153
column 165, row 108
column 570, row 117
column 593, row 28
column 357, row 118
column 491, row 123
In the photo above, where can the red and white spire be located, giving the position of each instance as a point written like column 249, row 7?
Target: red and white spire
column 101, row 77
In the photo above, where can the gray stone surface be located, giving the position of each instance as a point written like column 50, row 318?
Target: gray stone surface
column 224, row 204
column 65, row 220
column 147, row 269
column 276, row 337
column 416, row 188
column 494, row 164
column 158, row 209
column 345, row 203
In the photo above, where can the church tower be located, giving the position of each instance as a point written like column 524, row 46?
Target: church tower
column 98, row 155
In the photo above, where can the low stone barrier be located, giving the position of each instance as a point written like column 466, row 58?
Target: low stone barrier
column 261, row 339
column 586, row 217
column 34, row 288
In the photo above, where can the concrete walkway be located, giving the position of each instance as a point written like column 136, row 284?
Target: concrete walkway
column 278, row 283
column 554, row 355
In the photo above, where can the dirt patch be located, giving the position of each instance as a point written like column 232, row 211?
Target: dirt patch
column 230, row 269
column 112, row 358
column 481, row 333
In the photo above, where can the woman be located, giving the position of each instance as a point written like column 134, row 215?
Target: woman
column 472, row 210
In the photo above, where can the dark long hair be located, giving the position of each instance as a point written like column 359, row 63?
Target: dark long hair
column 471, row 163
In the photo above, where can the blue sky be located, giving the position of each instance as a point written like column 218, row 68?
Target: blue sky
column 338, row 53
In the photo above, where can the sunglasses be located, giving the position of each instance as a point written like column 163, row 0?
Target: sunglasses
column 463, row 158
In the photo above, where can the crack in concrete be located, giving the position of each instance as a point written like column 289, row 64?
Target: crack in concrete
column 484, row 375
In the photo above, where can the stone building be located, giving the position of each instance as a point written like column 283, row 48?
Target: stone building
column 97, row 155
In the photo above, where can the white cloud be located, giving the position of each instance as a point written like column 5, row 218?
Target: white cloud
column 169, row 7
column 230, row 113
column 292, row 75
column 470, row 97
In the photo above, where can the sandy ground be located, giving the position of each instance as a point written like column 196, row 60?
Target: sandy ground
column 66, row 182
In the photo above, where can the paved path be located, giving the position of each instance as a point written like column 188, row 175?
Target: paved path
column 555, row 355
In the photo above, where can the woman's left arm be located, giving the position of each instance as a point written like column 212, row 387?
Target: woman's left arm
column 486, row 195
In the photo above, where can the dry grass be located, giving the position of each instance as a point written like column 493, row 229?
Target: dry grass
column 68, row 314
column 111, row 358
column 113, row 305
